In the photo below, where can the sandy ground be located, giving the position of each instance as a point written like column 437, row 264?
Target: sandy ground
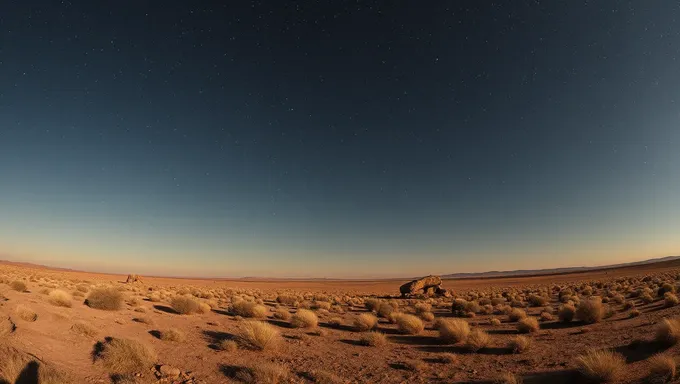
column 551, row 358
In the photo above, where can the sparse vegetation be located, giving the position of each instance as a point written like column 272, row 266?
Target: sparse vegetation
column 601, row 365
column 60, row 298
column 304, row 318
column 172, row 334
column 373, row 339
column 365, row 322
column 528, row 325
column 476, row 340
column 662, row 368
column 668, row 332
column 409, row 324
column 18, row 286
column 108, row 299
column 452, row 331
column 25, row 313
column 519, row 344
column 255, row 334
column 125, row 356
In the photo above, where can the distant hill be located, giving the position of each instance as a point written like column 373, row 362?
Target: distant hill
column 552, row 271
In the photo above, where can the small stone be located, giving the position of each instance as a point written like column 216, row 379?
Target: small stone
column 169, row 371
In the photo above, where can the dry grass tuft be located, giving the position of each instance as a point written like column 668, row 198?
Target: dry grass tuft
column 528, row 325
column 60, row 298
column 18, row 286
column 662, row 367
column 601, row 365
column 84, row 329
column 266, row 373
column 227, row 345
column 365, row 322
column 13, row 369
column 185, row 305
column 373, row 339
column 304, row 318
column 452, row 331
column 508, row 378
column 108, row 299
column 476, row 340
column 258, row 335
column 446, row 358
column 249, row 309
column 409, row 324
column 282, row 314
column 494, row 321
column 668, row 332
column 25, row 313
column 590, row 311
column 566, row 313
column 519, row 344
column 670, row 300
column 173, row 334
column 516, row 314
column 125, row 356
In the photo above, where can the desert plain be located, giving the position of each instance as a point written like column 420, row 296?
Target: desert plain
column 614, row 325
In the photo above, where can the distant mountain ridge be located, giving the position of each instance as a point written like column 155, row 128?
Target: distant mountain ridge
column 552, row 271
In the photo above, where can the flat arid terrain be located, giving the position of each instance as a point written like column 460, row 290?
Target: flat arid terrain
column 616, row 325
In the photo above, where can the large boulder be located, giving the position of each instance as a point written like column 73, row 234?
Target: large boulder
column 421, row 285
column 132, row 278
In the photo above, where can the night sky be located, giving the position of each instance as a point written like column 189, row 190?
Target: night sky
column 338, row 138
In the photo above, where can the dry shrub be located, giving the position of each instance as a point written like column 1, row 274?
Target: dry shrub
column 452, row 331
column 109, row 299
column 7, row 326
column 13, row 369
column 84, row 329
column 546, row 316
column 414, row 365
column 287, row 300
column 427, row 316
column 601, row 365
column 227, row 345
column 25, row 313
column 516, row 314
column 172, row 334
column 385, row 309
column 476, row 340
column 258, row 335
column 422, row 308
column 126, row 356
column 519, row 344
column 373, row 339
column 662, row 367
column 60, row 298
column 184, row 305
column 372, row 304
column 494, row 321
column 249, row 309
column 409, row 324
column 265, row 373
column 446, row 358
column 635, row 313
column 304, row 318
column 668, row 332
column 566, row 313
column 528, row 325
column 335, row 322
column 18, row 286
column 206, row 308
column 365, row 322
column 670, row 300
column 282, row 314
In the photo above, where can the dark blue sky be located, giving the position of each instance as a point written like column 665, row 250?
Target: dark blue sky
column 338, row 138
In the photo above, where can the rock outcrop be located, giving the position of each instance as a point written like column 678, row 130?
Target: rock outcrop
column 428, row 285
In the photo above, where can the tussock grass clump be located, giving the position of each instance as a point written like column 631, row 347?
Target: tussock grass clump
column 365, row 322
column 84, row 329
column 60, row 298
column 662, row 368
column 528, row 325
column 601, row 365
column 13, row 369
column 494, row 321
column 172, row 334
column 427, row 316
column 508, row 378
column 325, row 377
column 18, row 286
column 25, row 313
column 304, row 318
column 287, row 300
column 108, row 299
column 566, row 313
column 668, row 332
column 635, row 313
column 125, row 356
column 452, row 331
column 670, row 300
column 249, row 309
column 185, row 305
column 373, row 339
column 227, row 345
column 476, row 340
column 335, row 322
column 519, row 344
column 516, row 314
column 409, row 324
column 546, row 316
column 590, row 311
column 282, row 314
column 258, row 335
column 265, row 373
column 372, row 304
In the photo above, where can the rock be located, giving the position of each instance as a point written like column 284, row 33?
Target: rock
column 169, row 371
column 420, row 285
column 132, row 278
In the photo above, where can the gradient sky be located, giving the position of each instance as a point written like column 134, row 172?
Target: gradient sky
column 338, row 139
